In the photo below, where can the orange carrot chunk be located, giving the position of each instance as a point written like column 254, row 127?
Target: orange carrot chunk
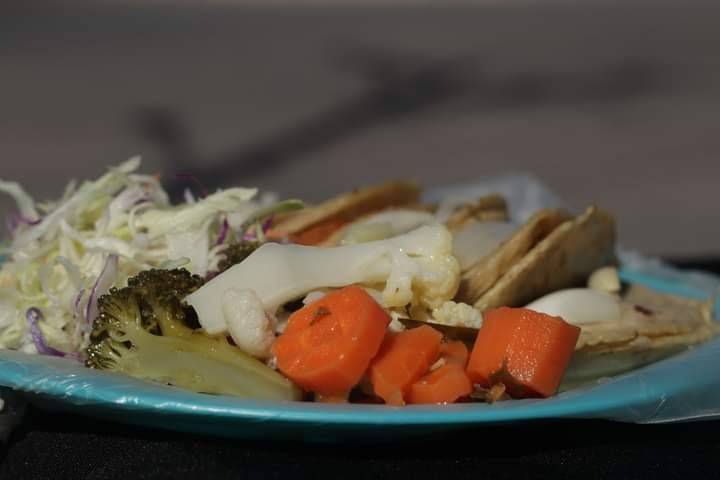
column 454, row 352
column 446, row 384
column 524, row 350
column 328, row 344
column 403, row 358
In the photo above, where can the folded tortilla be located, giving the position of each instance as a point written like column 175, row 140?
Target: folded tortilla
column 651, row 320
column 652, row 326
column 490, row 208
column 480, row 277
column 562, row 258
column 347, row 207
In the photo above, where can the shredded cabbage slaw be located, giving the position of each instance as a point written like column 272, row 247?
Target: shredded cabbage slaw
column 63, row 255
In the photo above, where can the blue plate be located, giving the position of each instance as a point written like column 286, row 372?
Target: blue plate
column 680, row 388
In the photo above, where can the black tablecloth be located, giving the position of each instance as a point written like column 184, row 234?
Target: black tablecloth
column 54, row 446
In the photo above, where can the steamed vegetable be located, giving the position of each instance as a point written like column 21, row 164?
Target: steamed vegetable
column 525, row 351
column 417, row 268
column 447, row 381
column 236, row 252
column 250, row 327
column 145, row 330
column 454, row 352
column 477, row 240
column 329, row 343
column 403, row 358
column 446, row 384
column 457, row 314
column 580, row 306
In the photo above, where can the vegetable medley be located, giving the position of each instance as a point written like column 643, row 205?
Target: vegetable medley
column 372, row 296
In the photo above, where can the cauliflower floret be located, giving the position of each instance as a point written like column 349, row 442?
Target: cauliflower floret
column 396, row 325
column 249, row 326
column 417, row 268
column 456, row 314
column 313, row 296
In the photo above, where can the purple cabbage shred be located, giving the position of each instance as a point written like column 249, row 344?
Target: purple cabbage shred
column 223, row 232
column 34, row 315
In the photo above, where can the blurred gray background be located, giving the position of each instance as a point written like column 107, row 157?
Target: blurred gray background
column 613, row 103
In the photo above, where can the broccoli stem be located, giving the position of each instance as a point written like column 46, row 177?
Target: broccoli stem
column 192, row 360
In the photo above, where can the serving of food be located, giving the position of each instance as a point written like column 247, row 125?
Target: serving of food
column 373, row 296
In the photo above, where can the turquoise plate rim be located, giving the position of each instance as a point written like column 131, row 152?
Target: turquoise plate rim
column 656, row 393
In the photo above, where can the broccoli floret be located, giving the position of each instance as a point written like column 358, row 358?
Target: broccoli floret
column 145, row 330
column 236, row 253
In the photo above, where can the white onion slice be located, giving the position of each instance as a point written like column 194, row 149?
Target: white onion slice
column 579, row 306
column 476, row 240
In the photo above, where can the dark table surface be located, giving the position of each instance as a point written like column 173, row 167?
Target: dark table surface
column 59, row 446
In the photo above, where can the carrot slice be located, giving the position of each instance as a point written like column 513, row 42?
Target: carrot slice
column 403, row 358
column 454, row 352
column 525, row 350
column 445, row 385
column 328, row 344
column 317, row 233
